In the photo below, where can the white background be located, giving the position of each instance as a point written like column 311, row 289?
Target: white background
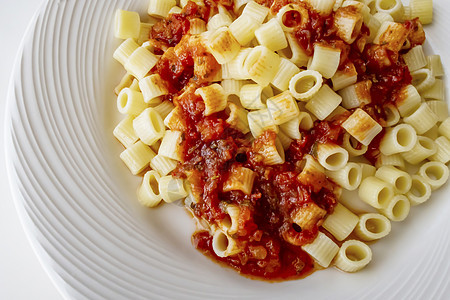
column 21, row 274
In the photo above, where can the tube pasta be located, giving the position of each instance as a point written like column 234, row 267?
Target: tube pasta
column 442, row 150
column 171, row 189
column 420, row 190
column 435, row 92
column 219, row 20
column 331, row 156
column 343, row 78
column 398, row 208
column 422, row 9
column 324, row 102
column 260, row 121
column 400, row 138
column 282, row 108
column 243, row 29
column 375, row 192
column 262, row 64
column 149, row 126
column 422, row 79
column 163, row 165
column 160, row 8
column 137, row 157
column 392, row 115
column 367, row 170
column 324, row 7
column 349, row 177
column 392, row 7
column 325, row 60
column 294, row 9
column 348, row 23
column 399, row 180
column 292, row 127
column 286, row 71
column 372, row 226
column 148, row 192
column 170, row 144
column 130, row 102
column 363, row 134
column 305, row 84
column 439, row 108
column 223, row 245
column 214, row 97
column 256, row 11
column 415, row 58
column 322, row 249
column 353, row 256
column 423, row 119
column 341, row 222
column 127, row 24
column 223, row 45
column 252, row 96
column 407, row 100
column 125, row 133
column 271, row 35
column 152, row 87
column 140, row 62
column 124, row 51
column 424, row 148
column 294, row 52
column 164, row 108
column 237, row 118
column 241, row 179
column 434, row 63
column 395, row 160
column 356, row 95
column 434, row 173
column 444, row 128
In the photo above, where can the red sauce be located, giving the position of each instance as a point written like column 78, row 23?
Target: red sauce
column 211, row 147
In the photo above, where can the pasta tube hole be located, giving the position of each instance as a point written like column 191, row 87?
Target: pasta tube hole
column 353, row 176
column 402, row 183
column 291, row 18
column 153, row 183
column 405, row 137
column 418, row 78
column 336, row 159
column 305, row 84
column 418, row 188
column 383, row 196
column 375, row 225
column 428, row 144
column 434, row 172
column 356, row 253
column 296, row 227
column 220, row 243
column 387, row 4
column 123, row 100
column 400, row 208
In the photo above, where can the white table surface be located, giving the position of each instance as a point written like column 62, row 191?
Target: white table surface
column 21, row 274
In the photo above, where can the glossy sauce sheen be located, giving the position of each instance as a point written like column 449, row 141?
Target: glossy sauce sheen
column 211, row 147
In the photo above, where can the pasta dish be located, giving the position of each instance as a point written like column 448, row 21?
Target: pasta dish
column 294, row 131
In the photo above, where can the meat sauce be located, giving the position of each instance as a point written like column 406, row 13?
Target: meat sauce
column 211, row 147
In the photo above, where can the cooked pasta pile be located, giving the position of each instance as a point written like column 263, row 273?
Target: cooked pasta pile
column 260, row 117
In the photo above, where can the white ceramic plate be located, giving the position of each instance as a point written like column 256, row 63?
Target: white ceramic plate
column 78, row 203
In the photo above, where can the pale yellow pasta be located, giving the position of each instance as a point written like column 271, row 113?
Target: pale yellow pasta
column 324, row 102
column 432, row 133
column 239, row 179
column 125, row 82
column 148, row 193
column 424, row 148
column 152, row 87
column 341, row 222
column 407, row 100
column 398, row 179
column 415, row 58
column 177, row 10
column 137, row 157
column 294, row 52
column 124, row 132
column 337, row 112
column 222, row 45
column 392, row 7
column 259, row 121
column 127, row 24
column 305, row 84
column 171, row 189
column 282, row 108
column 435, row 92
column 375, row 192
column 434, row 63
column 262, row 64
column 243, row 29
column 230, row 224
column 292, row 127
column 284, row 139
column 219, row 20
column 231, row 86
column 286, row 71
column 392, row 115
column 324, row 7
column 361, row 7
column 423, row 119
column 344, row 78
column 422, row 9
column 353, row 256
column 237, row 117
column 439, row 108
column 434, row 173
column 162, row 164
column 363, row 134
column 235, row 68
column 300, row 12
column 170, row 145
column 442, row 150
column 367, row 170
column 444, row 128
column 353, row 147
column 124, row 51
column 164, row 108
column 325, row 60
column 239, row 5
column 395, row 160
column 420, row 191
column 214, row 98
column 140, row 62
column 271, row 35
column 149, row 126
column 223, row 245
column 312, row 170
column 400, row 138
column 256, row 11
column 374, row 25
column 160, row 8
column 372, row 226
column 130, row 102
column 273, row 153
column 337, row 4
column 348, row 24
column 135, row 87
column 356, row 95
column 383, row 17
column 322, row 249
column 196, row 26
column 349, row 177
column 331, row 156
column 252, row 96
column 398, row 208
column 422, row 79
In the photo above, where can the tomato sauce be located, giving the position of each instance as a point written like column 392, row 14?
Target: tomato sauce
column 210, row 147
